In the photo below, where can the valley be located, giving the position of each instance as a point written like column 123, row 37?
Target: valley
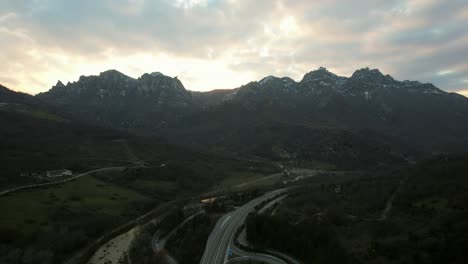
column 234, row 132
column 326, row 170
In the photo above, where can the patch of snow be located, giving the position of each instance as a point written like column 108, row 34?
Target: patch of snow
column 340, row 81
column 157, row 74
column 366, row 95
column 229, row 96
column 101, row 93
column 266, row 79
column 431, row 92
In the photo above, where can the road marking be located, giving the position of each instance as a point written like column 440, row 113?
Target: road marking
column 226, row 258
column 220, row 240
column 225, row 220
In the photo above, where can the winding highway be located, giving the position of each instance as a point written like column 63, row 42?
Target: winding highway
column 221, row 240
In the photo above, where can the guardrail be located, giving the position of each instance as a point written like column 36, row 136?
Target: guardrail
column 255, row 249
column 279, row 255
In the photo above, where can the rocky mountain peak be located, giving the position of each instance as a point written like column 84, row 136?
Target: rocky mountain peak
column 162, row 86
column 322, row 81
column 110, row 73
column 371, row 75
column 267, row 79
column 273, row 81
column 113, row 75
column 319, row 74
column 154, row 75
column 59, row 84
column 157, row 74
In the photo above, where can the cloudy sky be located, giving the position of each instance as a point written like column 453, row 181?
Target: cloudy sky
column 213, row 44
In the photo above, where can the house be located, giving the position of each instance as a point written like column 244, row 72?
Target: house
column 209, row 200
column 337, row 188
column 59, row 173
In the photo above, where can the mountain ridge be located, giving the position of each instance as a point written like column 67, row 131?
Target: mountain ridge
column 359, row 73
column 325, row 106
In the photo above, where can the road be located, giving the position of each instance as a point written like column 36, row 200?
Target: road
column 221, row 239
column 262, row 258
column 271, row 204
column 158, row 243
column 31, row 186
column 249, row 256
column 266, row 258
column 389, row 203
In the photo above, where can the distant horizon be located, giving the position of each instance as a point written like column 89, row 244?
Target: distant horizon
column 222, row 44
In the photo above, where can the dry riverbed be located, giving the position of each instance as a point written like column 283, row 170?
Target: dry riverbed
column 114, row 251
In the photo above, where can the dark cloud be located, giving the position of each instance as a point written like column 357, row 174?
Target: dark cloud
column 410, row 39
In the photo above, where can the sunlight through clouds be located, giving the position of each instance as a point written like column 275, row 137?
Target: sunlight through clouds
column 225, row 43
column 463, row 92
column 289, row 26
column 190, row 3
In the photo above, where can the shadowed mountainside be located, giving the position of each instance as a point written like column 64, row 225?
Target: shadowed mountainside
column 279, row 118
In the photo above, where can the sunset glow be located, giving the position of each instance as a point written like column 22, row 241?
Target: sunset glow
column 212, row 44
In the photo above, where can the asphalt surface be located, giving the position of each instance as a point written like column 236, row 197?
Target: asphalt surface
column 221, row 239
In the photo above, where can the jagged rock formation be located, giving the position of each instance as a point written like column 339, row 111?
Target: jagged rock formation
column 302, row 118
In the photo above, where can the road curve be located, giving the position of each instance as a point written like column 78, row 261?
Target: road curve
column 257, row 257
column 221, row 239
column 268, row 255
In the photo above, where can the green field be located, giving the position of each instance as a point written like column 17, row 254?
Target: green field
column 26, row 211
column 164, row 188
column 236, row 178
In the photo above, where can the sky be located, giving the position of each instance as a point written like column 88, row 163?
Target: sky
column 214, row 44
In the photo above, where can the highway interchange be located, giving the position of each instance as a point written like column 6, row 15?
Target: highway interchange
column 221, row 240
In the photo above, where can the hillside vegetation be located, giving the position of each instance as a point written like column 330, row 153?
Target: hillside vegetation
column 424, row 222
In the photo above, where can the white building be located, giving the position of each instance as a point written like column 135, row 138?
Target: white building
column 59, row 173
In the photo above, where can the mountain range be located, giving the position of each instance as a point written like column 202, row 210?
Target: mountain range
column 368, row 118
